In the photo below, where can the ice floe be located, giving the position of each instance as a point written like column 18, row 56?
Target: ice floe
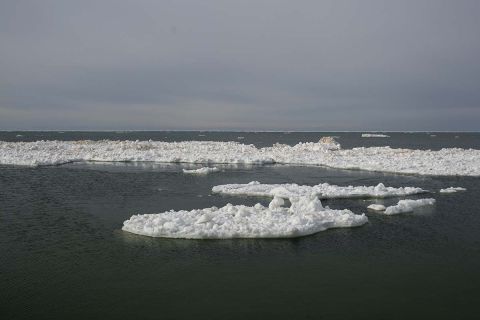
column 202, row 171
column 326, row 152
column 452, row 189
column 323, row 190
column 376, row 207
column 374, row 135
column 408, row 206
column 305, row 216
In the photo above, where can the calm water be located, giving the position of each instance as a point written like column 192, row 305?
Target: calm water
column 63, row 255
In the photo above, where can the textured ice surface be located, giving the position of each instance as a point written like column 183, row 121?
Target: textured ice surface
column 408, row 206
column 376, row 207
column 323, row 191
column 305, row 216
column 327, row 152
column 204, row 170
column 374, row 135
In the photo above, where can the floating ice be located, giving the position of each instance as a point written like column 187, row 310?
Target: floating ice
column 323, row 191
column 374, row 135
column 408, row 206
column 452, row 189
column 204, row 170
column 376, row 207
column 305, row 216
column 326, row 152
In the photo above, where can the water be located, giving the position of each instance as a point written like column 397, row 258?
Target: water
column 63, row 254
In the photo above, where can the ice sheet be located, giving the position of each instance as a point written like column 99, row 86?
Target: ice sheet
column 305, row 216
column 323, row 191
column 327, row 152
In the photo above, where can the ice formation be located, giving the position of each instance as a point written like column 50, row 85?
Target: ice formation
column 451, row 161
column 204, row 170
column 305, row 216
column 374, row 135
column 452, row 189
column 323, row 191
column 408, row 206
column 376, row 207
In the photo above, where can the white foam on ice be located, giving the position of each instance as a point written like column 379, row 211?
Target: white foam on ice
column 408, row 206
column 376, row 207
column 305, row 216
column 374, row 135
column 452, row 189
column 202, row 171
column 451, row 161
column 323, row 190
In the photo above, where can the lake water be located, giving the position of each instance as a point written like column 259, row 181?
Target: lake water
column 63, row 254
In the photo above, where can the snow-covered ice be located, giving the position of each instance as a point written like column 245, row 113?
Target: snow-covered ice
column 323, row 190
column 204, row 170
column 305, row 216
column 450, row 161
column 408, row 206
column 452, row 189
column 374, row 135
column 376, row 207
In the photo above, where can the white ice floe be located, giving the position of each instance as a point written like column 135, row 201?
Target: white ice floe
column 408, row 206
column 323, row 190
column 204, row 170
column 305, row 216
column 376, row 207
column 451, row 161
column 452, row 189
column 374, row 135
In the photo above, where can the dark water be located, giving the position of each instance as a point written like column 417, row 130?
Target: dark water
column 63, row 255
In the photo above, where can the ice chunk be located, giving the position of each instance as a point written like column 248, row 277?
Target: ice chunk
column 374, row 135
column 323, row 191
column 204, row 170
column 376, row 207
column 305, row 216
column 408, row 206
column 452, row 189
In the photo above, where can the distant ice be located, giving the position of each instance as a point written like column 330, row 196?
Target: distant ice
column 376, row 207
column 374, row 135
column 304, row 217
column 452, row 189
column 323, row 191
column 204, row 170
column 326, row 152
column 408, row 206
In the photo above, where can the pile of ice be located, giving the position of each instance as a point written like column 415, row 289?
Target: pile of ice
column 323, row 190
column 305, row 216
column 408, row 206
column 374, row 135
column 452, row 189
column 201, row 171
column 326, row 152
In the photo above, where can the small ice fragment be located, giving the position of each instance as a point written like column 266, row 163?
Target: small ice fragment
column 376, row 207
column 374, row 135
column 204, row 170
column 452, row 189
column 408, row 206
column 240, row 138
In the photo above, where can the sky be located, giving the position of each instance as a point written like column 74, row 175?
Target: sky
column 240, row 65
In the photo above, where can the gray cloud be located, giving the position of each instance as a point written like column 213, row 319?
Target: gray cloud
column 305, row 65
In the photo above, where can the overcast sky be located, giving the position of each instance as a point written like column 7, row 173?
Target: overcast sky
column 261, row 65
